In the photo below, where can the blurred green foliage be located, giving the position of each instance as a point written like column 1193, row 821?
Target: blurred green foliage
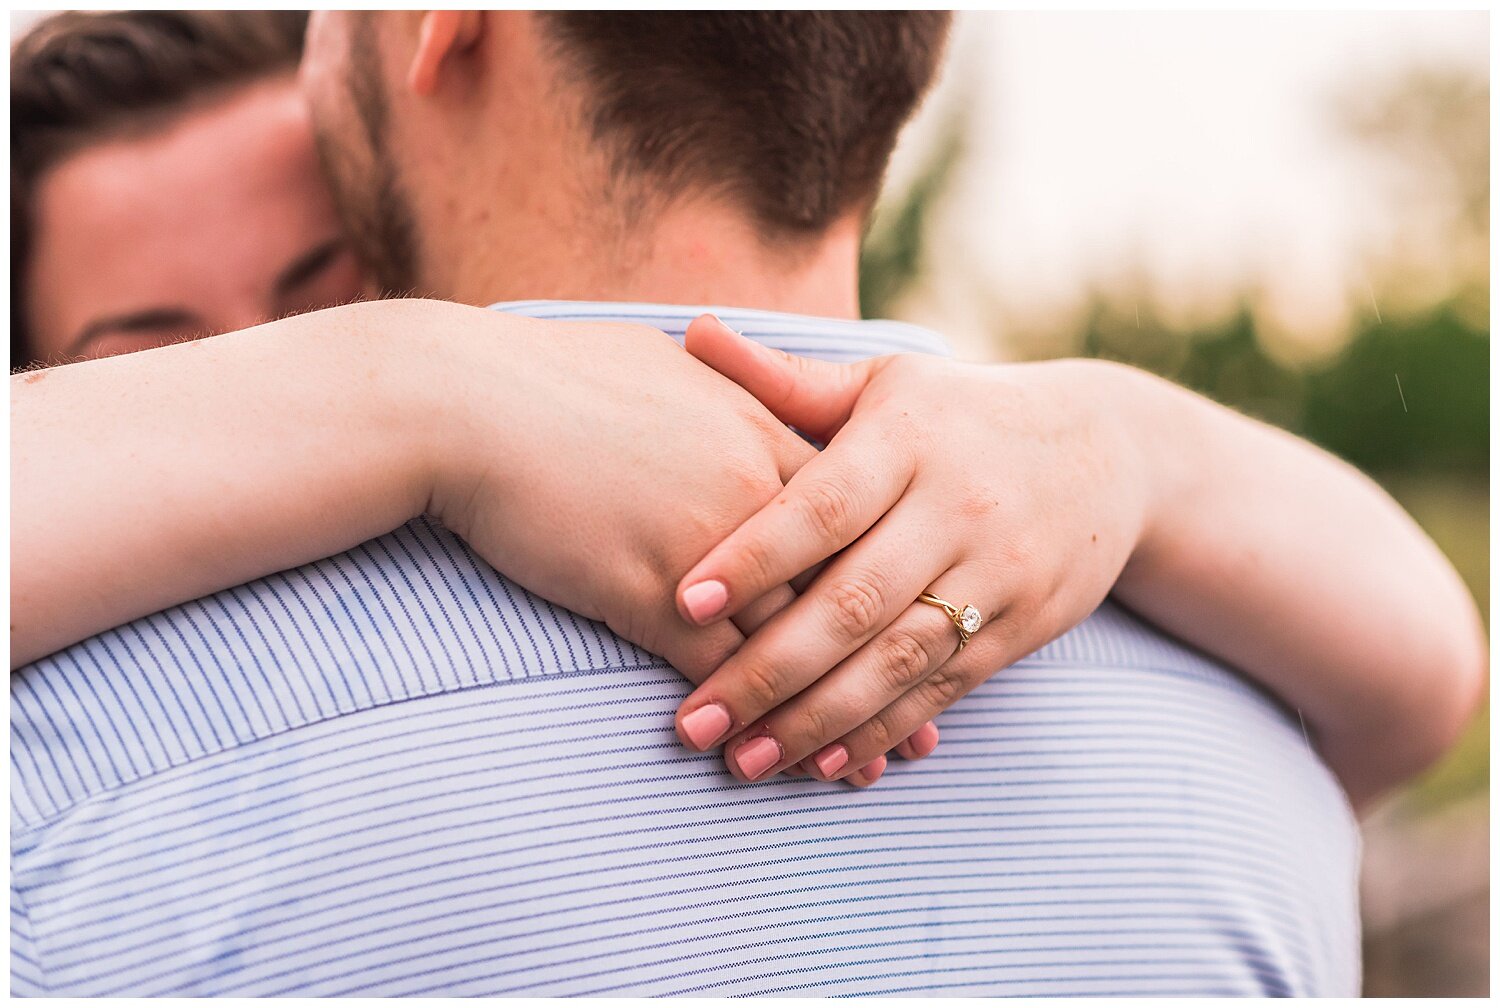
column 891, row 258
column 1406, row 393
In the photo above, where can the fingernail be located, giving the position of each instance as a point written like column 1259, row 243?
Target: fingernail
column 705, row 600
column 757, row 756
column 726, row 325
column 704, row 725
column 831, row 760
column 924, row 739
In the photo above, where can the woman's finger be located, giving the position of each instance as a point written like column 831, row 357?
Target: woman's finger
column 1002, row 642
column 697, row 651
column 753, row 616
column 858, row 596
column 868, row 774
column 803, row 392
column 801, row 582
column 920, row 744
column 885, row 669
column 828, row 504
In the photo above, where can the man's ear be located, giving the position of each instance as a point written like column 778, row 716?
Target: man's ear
column 444, row 36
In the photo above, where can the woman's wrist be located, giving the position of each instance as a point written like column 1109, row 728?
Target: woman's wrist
column 444, row 364
column 405, row 348
column 410, row 364
column 1123, row 421
column 1160, row 447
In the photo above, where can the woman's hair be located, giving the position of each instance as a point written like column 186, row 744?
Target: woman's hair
column 77, row 78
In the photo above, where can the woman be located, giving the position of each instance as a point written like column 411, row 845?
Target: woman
column 373, row 447
column 128, row 235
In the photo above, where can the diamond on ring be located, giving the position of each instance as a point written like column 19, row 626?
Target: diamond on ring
column 966, row 620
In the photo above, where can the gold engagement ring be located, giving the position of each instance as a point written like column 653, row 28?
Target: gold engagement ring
column 966, row 620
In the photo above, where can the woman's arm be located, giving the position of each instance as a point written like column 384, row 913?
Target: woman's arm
column 1032, row 491
column 149, row 479
column 144, row 480
column 1295, row 567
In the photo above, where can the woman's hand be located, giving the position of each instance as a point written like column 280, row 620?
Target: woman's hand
column 593, row 463
column 606, row 464
column 1015, row 489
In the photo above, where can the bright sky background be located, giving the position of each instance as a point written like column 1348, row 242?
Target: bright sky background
column 1195, row 149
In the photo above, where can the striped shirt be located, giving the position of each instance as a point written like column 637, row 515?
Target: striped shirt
column 395, row 772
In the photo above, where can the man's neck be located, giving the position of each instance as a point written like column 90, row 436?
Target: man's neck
column 697, row 255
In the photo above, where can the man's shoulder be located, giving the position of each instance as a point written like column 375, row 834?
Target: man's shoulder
column 410, row 614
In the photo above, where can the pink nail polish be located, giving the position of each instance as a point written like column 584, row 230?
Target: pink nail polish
column 704, row 726
column 831, row 760
column 757, row 756
column 705, row 600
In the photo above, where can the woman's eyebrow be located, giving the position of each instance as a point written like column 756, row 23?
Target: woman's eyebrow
column 307, row 265
column 140, row 321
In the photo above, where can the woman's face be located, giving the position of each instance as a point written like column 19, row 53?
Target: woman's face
column 216, row 221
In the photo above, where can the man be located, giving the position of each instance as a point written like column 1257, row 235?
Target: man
column 1116, row 814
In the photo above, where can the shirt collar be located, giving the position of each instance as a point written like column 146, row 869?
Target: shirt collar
column 810, row 335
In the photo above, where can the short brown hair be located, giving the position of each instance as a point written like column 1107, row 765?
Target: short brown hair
column 793, row 114
column 77, row 78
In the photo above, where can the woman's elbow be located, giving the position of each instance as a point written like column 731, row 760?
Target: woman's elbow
column 1445, row 687
column 1458, row 674
column 1470, row 664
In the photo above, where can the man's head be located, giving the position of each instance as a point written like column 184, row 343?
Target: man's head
column 164, row 182
column 573, row 136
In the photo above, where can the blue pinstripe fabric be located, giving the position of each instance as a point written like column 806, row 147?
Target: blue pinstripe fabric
column 396, row 772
